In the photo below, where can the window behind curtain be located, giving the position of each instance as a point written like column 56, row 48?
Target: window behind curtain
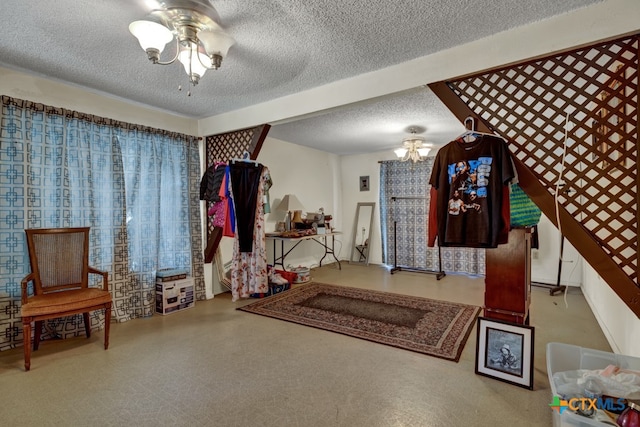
column 158, row 221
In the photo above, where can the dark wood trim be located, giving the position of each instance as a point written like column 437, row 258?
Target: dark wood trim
column 213, row 241
column 259, row 135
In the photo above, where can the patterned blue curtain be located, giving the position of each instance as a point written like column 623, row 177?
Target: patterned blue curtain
column 60, row 168
column 161, row 205
column 404, row 213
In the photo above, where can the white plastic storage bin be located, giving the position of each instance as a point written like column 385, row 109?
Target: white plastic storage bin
column 566, row 357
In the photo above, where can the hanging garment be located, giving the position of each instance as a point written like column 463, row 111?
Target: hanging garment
column 218, row 211
column 229, row 226
column 249, row 272
column 220, row 208
column 245, row 184
column 211, row 182
column 523, row 211
column 470, row 183
column 204, row 182
column 265, row 199
column 432, row 231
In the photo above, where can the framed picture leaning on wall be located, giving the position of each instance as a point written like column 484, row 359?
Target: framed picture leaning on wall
column 504, row 351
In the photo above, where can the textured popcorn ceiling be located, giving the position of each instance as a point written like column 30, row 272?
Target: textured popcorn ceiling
column 283, row 47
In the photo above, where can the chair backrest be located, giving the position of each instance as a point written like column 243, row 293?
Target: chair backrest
column 59, row 258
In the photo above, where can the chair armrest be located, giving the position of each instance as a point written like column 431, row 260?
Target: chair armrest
column 105, row 277
column 25, row 287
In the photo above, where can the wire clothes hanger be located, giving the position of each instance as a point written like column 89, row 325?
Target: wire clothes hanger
column 245, row 159
column 471, row 131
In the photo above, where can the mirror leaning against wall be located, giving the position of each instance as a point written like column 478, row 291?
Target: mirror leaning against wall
column 361, row 233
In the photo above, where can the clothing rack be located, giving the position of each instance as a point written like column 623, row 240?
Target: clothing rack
column 558, row 288
column 439, row 274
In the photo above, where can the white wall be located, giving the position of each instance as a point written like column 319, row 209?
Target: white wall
column 544, row 262
column 314, row 177
column 619, row 324
column 353, row 167
column 30, row 88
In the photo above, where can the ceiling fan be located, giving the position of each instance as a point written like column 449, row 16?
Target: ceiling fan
column 414, row 147
column 201, row 42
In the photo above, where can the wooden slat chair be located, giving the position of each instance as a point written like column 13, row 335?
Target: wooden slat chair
column 59, row 259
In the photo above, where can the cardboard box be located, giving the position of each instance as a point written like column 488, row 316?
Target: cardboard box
column 170, row 274
column 174, row 296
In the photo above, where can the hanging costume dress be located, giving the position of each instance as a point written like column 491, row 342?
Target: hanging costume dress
column 470, row 181
column 249, row 183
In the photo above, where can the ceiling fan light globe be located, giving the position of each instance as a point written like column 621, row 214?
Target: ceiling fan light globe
column 151, row 35
column 400, row 152
column 194, row 61
column 423, row 152
column 216, row 42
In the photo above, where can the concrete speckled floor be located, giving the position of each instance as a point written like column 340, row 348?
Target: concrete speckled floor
column 215, row 366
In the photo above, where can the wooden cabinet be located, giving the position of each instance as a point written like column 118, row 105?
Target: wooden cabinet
column 507, row 292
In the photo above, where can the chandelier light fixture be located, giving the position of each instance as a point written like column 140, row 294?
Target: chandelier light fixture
column 413, row 148
column 201, row 44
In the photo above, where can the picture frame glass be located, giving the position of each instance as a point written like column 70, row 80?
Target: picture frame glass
column 504, row 351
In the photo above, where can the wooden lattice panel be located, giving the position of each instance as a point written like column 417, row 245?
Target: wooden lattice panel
column 572, row 120
column 225, row 146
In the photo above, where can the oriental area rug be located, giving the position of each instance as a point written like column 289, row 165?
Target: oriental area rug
column 436, row 328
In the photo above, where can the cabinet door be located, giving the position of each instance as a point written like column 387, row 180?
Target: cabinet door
column 508, row 278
